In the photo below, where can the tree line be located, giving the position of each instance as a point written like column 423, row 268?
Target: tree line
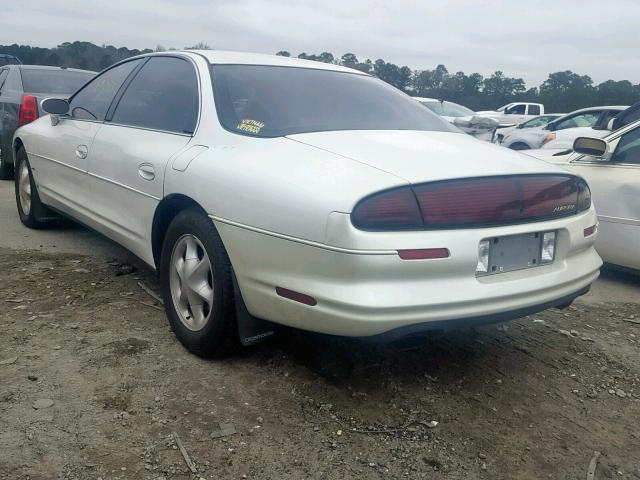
column 560, row 92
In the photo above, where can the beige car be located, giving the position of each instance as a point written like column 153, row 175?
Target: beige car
column 611, row 166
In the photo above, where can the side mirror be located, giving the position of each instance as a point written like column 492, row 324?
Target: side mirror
column 594, row 147
column 611, row 125
column 55, row 106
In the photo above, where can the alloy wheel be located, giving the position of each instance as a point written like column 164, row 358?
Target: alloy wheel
column 24, row 188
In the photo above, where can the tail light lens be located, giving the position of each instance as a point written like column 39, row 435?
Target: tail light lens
column 473, row 202
column 28, row 110
column 391, row 210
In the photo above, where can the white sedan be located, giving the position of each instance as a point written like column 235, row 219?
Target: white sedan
column 351, row 211
column 612, row 168
column 561, row 133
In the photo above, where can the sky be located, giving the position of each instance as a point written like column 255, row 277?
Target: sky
column 524, row 39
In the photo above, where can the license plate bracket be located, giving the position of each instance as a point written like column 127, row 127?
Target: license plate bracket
column 514, row 252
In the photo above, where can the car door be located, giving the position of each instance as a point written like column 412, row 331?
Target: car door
column 615, row 187
column 59, row 157
column 516, row 113
column 153, row 119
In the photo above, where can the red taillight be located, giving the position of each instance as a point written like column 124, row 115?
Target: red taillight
column 474, row 202
column 590, row 230
column 28, row 110
column 391, row 210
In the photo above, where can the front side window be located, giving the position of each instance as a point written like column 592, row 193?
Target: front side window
column 587, row 119
column 53, row 81
column 162, row 96
column 516, row 110
column 274, row 101
column 93, row 101
column 628, row 149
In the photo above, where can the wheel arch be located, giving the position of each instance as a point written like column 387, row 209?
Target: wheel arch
column 17, row 143
column 166, row 211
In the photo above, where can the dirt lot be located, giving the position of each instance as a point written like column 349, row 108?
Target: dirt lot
column 83, row 343
column 523, row 400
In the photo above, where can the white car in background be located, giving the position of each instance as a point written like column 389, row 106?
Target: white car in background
column 514, row 113
column 352, row 211
column 592, row 121
column 464, row 118
column 535, row 122
column 612, row 168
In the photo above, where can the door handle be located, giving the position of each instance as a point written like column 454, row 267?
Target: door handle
column 147, row 171
column 82, row 151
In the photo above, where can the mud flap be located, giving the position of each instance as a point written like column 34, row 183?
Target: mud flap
column 251, row 330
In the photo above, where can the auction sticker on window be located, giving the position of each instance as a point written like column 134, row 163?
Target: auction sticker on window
column 251, row 126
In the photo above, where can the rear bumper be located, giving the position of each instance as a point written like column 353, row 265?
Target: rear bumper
column 446, row 325
column 373, row 292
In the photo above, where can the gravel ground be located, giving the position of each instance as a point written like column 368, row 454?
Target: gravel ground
column 93, row 385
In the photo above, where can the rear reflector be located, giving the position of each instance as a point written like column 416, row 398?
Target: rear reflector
column 28, row 110
column 473, row 202
column 590, row 231
column 296, row 296
column 424, row 254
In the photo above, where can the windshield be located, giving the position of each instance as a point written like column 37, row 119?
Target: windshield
column 56, row 81
column 537, row 122
column 274, row 101
column 448, row 109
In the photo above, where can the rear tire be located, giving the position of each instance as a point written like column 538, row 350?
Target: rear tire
column 33, row 213
column 197, row 286
column 519, row 146
column 6, row 169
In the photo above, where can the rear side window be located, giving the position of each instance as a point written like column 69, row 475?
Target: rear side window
column 3, row 76
column 162, row 96
column 93, row 101
column 534, row 109
column 58, row 82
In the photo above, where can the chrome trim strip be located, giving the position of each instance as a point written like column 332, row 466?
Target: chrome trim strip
column 626, row 221
column 57, row 161
column 126, row 187
column 303, row 241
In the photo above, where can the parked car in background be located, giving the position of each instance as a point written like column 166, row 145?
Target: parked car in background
column 21, row 89
column 514, row 113
column 6, row 59
column 535, row 122
column 565, row 132
column 592, row 121
column 462, row 117
column 612, row 168
column 353, row 211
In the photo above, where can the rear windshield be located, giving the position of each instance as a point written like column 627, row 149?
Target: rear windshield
column 273, row 101
column 62, row 82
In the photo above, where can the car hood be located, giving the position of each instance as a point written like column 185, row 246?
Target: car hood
column 420, row 156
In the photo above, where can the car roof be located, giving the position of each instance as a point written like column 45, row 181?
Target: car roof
column 222, row 57
column 48, row 67
column 601, row 107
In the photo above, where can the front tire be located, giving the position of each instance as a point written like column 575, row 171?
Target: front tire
column 197, row 286
column 519, row 146
column 33, row 213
